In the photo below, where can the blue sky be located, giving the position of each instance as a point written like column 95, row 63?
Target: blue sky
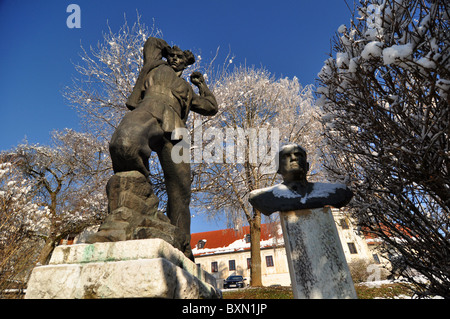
column 288, row 37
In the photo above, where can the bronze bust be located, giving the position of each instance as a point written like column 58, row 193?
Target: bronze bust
column 295, row 192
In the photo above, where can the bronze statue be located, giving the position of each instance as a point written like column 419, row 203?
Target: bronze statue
column 160, row 103
column 296, row 192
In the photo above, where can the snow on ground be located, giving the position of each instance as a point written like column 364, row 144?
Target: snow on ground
column 379, row 283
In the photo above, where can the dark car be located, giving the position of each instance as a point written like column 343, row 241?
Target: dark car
column 234, row 282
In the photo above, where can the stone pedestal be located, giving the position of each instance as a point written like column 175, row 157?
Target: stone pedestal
column 317, row 263
column 148, row 268
column 133, row 214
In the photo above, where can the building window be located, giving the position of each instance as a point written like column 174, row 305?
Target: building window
column 247, row 238
column 269, row 261
column 214, row 267
column 249, row 263
column 344, row 224
column 232, row 265
column 352, row 248
column 201, row 244
column 376, row 259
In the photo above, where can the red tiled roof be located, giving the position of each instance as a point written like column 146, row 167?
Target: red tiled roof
column 373, row 236
column 368, row 234
column 225, row 237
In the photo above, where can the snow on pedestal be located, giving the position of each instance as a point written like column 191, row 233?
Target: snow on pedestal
column 316, row 260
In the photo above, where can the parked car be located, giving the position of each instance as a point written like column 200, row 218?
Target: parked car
column 234, row 282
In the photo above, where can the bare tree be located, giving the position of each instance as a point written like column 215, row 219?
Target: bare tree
column 256, row 111
column 68, row 180
column 385, row 94
column 106, row 76
column 20, row 219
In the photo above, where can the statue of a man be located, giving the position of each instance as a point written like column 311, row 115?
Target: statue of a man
column 296, row 192
column 160, row 103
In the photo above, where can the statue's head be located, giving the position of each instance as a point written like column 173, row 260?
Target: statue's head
column 177, row 58
column 292, row 163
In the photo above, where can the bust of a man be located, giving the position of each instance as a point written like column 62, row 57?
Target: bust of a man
column 295, row 192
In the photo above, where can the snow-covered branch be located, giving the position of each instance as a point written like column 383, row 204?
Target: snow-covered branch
column 385, row 98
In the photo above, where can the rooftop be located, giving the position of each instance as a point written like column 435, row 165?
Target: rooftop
column 230, row 240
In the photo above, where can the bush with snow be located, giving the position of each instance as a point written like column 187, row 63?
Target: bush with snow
column 384, row 94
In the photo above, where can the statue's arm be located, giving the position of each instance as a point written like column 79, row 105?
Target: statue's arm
column 204, row 103
column 154, row 50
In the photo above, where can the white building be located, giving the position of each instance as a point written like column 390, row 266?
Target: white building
column 227, row 252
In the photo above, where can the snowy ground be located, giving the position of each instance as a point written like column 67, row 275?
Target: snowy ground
column 370, row 284
column 379, row 283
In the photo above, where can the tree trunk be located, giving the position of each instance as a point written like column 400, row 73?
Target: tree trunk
column 255, row 252
column 46, row 251
column 51, row 240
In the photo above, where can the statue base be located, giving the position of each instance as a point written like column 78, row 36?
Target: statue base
column 147, row 268
column 133, row 214
column 316, row 260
